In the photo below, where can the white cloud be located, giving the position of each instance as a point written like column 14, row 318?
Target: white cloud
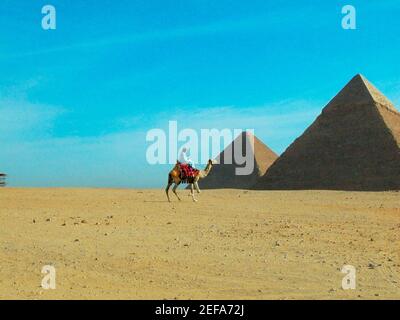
column 24, row 120
column 276, row 124
column 33, row 156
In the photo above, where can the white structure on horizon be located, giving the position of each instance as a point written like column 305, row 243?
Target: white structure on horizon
column 2, row 179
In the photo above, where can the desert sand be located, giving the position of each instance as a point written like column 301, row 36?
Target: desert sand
column 232, row 244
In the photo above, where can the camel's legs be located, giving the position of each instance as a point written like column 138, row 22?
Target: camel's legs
column 170, row 180
column 192, row 192
column 174, row 190
column 197, row 187
column 166, row 191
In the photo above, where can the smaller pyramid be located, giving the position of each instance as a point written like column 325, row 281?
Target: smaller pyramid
column 225, row 174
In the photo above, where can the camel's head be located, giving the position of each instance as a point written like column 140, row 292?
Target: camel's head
column 204, row 173
column 210, row 163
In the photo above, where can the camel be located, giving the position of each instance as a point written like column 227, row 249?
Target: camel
column 174, row 178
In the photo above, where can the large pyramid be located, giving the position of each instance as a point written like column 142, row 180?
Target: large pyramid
column 353, row 145
column 224, row 173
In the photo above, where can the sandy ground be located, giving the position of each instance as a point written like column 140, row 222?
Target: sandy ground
column 232, row 244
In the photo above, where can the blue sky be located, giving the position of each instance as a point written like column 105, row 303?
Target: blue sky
column 76, row 102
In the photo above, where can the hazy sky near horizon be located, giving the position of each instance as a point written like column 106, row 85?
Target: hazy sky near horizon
column 76, row 102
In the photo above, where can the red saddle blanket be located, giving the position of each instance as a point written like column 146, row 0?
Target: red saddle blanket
column 187, row 171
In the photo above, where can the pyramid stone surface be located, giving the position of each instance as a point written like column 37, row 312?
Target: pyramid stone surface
column 223, row 175
column 353, row 145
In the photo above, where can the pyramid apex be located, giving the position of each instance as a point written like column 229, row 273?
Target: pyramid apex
column 376, row 95
column 361, row 77
column 360, row 91
column 248, row 133
column 245, row 134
